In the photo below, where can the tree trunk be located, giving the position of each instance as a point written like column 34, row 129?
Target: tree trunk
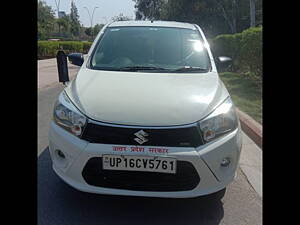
column 252, row 13
column 227, row 19
column 234, row 15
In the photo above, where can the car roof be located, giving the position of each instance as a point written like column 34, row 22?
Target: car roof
column 154, row 23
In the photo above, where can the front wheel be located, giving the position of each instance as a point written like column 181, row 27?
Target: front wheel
column 219, row 194
column 216, row 195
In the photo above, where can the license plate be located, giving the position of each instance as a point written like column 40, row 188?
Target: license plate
column 139, row 163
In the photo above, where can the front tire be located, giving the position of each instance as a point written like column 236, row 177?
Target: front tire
column 218, row 195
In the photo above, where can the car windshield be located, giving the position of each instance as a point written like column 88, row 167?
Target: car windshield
column 156, row 49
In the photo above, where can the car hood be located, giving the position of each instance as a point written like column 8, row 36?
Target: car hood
column 146, row 99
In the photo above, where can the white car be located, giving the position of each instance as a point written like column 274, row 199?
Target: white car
column 146, row 115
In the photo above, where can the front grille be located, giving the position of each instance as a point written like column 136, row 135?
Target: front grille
column 186, row 178
column 172, row 137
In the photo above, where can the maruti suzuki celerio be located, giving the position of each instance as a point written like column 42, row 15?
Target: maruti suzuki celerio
column 146, row 115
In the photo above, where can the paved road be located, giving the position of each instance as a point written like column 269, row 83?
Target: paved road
column 48, row 90
column 47, row 73
column 59, row 204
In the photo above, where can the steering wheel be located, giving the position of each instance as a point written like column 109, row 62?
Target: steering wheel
column 184, row 60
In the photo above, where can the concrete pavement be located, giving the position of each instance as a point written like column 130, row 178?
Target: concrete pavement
column 46, row 100
column 47, row 72
column 251, row 163
column 48, row 90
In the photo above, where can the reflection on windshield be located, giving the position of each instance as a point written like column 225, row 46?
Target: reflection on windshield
column 198, row 46
column 163, row 48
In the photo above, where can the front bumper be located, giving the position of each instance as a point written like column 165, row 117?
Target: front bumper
column 206, row 160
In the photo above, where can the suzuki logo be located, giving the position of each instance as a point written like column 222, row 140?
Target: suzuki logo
column 141, row 137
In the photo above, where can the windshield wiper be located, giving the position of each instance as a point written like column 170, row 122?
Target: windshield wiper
column 190, row 68
column 136, row 68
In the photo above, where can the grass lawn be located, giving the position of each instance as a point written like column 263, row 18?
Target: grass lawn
column 246, row 95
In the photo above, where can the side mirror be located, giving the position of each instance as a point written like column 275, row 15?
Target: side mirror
column 223, row 63
column 62, row 66
column 76, row 58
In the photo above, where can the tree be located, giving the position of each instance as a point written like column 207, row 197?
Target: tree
column 93, row 31
column 229, row 12
column 148, row 9
column 258, row 12
column 45, row 20
column 88, row 31
column 97, row 28
column 64, row 22
column 252, row 13
column 206, row 13
column 74, row 20
column 213, row 16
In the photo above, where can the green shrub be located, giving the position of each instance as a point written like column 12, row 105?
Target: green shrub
column 86, row 46
column 227, row 45
column 244, row 48
column 48, row 49
column 251, row 52
column 71, row 46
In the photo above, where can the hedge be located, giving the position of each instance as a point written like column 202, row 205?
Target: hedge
column 48, row 49
column 244, row 48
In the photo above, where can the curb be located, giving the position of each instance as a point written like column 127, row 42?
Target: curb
column 252, row 128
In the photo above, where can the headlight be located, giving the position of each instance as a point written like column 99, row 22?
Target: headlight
column 221, row 121
column 67, row 116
